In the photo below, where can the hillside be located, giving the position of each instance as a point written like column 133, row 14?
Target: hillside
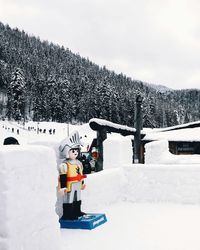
column 54, row 84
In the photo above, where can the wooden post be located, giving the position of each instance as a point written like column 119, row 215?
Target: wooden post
column 101, row 136
column 138, row 127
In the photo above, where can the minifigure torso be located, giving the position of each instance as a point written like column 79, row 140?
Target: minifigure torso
column 74, row 173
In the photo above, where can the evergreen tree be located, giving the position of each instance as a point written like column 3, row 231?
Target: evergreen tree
column 16, row 96
column 63, row 86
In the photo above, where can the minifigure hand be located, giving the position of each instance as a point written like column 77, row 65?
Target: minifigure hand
column 83, row 186
column 63, row 191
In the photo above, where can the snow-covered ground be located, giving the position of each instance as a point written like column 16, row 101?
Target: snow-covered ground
column 141, row 226
column 148, row 207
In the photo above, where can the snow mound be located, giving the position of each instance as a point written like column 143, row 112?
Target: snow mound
column 28, row 178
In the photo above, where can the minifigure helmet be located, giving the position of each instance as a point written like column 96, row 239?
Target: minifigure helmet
column 71, row 142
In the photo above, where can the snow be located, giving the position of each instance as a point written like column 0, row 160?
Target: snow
column 143, row 183
column 157, row 152
column 117, row 150
column 27, row 218
column 196, row 123
column 147, row 208
column 187, row 134
column 155, row 206
column 141, row 226
column 103, row 189
column 103, row 122
column 163, row 183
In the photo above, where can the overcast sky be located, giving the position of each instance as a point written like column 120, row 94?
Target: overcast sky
column 157, row 41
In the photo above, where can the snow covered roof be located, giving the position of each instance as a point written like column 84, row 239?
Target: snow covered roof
column 97, row 124
column 182, row 126
column 186, row 134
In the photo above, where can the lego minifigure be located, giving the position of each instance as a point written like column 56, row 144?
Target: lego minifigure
column 71, row 178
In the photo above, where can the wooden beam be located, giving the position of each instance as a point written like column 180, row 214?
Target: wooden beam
column 99, row 124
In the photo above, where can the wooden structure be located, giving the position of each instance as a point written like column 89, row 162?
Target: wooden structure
column 138, row 127
column 184, row 147
column 182, row 139
column 103, row 127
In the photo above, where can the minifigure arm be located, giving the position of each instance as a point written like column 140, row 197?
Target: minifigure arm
column 83, row 186
column 63, row 175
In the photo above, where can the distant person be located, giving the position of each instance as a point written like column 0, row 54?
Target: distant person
column 86, row 165
column 95, row 156
column 10, row 141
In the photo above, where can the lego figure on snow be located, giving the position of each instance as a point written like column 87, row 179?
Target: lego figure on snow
column 71, row 178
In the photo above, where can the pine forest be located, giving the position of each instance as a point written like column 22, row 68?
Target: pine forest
column 42, row 81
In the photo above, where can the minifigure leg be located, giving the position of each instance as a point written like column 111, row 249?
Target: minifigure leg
column 75, row 191
column 78, row 191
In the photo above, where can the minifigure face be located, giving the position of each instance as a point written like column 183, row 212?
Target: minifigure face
column 73, row 153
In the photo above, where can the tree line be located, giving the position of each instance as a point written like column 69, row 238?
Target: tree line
column 47, row 82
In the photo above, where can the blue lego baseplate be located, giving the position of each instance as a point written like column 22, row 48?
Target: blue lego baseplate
column 88, row 221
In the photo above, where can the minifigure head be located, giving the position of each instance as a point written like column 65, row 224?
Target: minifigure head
column 73, row 153
column 72, row 142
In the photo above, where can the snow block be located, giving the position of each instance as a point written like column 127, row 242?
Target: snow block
column 88, row 221
column 28, row 177
column 120, row 147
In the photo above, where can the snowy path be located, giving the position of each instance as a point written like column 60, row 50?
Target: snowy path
column 140, row 227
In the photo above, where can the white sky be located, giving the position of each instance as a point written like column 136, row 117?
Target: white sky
column 156, row 41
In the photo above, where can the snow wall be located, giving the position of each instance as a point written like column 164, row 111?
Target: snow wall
column 51, row 144
column 142, row 183
column 28, row 178
column 117, row 150
column 162, row 183
column 165, row 177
